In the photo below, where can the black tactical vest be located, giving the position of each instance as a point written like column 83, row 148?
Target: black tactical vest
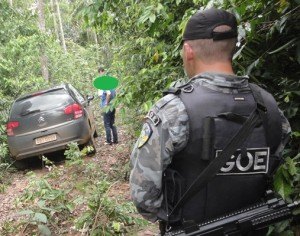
column 243, row 180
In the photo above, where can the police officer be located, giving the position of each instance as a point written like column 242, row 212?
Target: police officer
column 177, row 144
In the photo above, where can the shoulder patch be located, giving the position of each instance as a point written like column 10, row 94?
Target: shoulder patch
column 153, row 117
column 145, row 135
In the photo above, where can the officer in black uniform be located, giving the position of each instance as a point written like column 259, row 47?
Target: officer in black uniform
column 217, row 104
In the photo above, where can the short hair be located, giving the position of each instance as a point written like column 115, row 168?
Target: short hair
column 101, row 69
column 209, row 50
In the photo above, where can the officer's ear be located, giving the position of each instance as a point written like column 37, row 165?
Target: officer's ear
column 188, row 52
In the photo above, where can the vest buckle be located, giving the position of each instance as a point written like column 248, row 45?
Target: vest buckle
column 188, row 89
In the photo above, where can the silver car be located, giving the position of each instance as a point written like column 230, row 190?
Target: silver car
column 47, row 121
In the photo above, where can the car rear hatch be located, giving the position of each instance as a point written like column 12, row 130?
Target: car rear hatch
column 40, row 111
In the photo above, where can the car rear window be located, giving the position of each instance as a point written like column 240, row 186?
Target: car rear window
column 41, row 102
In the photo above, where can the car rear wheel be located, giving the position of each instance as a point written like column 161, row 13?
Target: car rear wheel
column 21, row 164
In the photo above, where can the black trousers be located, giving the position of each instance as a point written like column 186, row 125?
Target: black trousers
column 109, row 125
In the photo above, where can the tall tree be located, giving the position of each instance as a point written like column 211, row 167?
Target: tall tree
column 54, row 19
column 42, row 27
column 63, row 42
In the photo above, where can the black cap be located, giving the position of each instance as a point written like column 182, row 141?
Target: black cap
column 202, row 24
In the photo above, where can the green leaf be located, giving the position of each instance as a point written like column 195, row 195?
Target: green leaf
column 284, row 46
column 70, row 206
column 291, row 166
column 116, row 226
column 40, row 217
column 152, row 18
column 281, row 228
column 287, row 99
column 41, row 203
column 44, row 230
column 282, row 182
column 252, row 65
column 238, row 52
column 296, row 92
column 287, row 233
column 296, row 134
column 271, row 229
column 159, row 7
column 25, row 212
column 282, row 188
column 283, row 23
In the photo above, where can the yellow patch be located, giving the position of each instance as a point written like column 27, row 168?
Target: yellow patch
column 145, row 135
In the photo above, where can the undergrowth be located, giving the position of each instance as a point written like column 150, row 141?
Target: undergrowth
column 74, row 198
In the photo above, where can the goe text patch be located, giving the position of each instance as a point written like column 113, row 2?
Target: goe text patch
column 254, row 161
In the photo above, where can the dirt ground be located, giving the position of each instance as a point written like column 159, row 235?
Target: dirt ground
column 108, row 155
column 7, row 198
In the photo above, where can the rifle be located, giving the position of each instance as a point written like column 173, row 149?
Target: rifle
column 258, row 216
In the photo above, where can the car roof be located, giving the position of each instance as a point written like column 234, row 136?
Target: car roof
column 58, row 87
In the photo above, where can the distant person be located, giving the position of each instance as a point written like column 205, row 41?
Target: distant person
column 106, row 97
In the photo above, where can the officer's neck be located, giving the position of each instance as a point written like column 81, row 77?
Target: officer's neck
column 217, row 67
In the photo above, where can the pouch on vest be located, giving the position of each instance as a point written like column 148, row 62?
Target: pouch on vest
column 173, row 189
column 208, row 138
column 217, row 130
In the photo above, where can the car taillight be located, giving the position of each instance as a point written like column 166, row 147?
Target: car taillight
column 75, row 109
column 10, row 127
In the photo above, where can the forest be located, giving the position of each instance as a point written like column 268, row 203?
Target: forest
column 49, row 42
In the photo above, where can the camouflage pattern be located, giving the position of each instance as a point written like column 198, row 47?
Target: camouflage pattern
column 149, row 161
column 170, row 136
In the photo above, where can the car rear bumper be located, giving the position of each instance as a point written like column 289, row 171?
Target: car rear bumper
column 23, row 146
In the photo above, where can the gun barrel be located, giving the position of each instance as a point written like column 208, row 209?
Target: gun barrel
column 256, row 217
column 293, row 205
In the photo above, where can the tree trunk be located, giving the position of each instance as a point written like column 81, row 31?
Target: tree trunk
column 60, row 27
column 54, row 20
column 41, row 24
column 96, row 42
column 88, row 36
column 96, row 38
